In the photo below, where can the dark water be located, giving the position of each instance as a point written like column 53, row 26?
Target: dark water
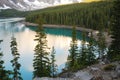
column 59, row 38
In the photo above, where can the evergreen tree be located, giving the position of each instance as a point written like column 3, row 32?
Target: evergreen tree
column 91, row 51
column 15, row 64
column 114, row 50
column 72, row 58
column 83, row 58
column 4, row 74
column 87, row 52
column 101, row 45
column 41, row 62
column 53, row 65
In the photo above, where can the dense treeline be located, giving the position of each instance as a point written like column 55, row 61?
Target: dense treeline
column 77, row 59
column 12, row 13
column 87, row 54
column 90, row 15
column 81, row 56
column 114, row 49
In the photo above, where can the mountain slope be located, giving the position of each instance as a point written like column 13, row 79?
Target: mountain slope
column 26, row 5
column 81, row 14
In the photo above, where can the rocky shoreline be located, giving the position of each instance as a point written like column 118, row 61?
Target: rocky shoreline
column 93, row 72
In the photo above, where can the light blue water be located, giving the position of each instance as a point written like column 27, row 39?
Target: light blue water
column 59, row 38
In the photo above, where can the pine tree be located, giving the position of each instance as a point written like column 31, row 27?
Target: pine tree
column 72, row 58
column 87, row 52
column 15, row 64
column 83, row 53
column 91, row 51
column 2, row 73
column 101, row 45
column 41, row 62
column 101, row 42
column 114, row 49
column 53, row 65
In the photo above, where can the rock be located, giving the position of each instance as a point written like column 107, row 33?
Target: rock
column 67, row 75
column 43, row 78
column 118, row 73
column 118, row 70
column 114, row 75
column 107, row 77
column 83, row 75
column 97, row 78
column 102, row 62
column 47, row 78
column 94, row 69
column 106, row 61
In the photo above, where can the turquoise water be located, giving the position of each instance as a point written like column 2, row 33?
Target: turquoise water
column 59, row 38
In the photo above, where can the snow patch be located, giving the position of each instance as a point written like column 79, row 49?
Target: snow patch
column 5, row 7
column 37, row 4
column 21, row 5
column 11, row 1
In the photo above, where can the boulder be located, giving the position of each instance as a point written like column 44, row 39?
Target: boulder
column 67, row 75
column 83, row 75
column 97, row 78
column 114, row 75
column 118, row 71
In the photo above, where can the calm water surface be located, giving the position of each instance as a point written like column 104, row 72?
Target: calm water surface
column 59, row 38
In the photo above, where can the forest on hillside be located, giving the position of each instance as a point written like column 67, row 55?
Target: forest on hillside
column 90, row 15
column 6, row 13
column 96, row 15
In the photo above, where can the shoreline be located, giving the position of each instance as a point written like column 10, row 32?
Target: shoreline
column 60, row 26
column 108, row 38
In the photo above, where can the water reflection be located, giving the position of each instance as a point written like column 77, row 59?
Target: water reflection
column 59, row 38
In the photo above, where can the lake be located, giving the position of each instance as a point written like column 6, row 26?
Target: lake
column 60, row 38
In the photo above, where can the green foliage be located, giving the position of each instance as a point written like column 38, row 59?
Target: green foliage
column 87, row 51
column 12, row 13
column 73, row 51
column 114, row 49
column 109, row 67
column 15, row 64
column 83, row 58
column 102, row 48
column 41, row 61
column 91, row 51
column 81, row 14
column 4, row 74
column 53, row 65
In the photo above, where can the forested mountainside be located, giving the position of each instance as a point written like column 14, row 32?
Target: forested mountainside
column 91, row 15
column 12, row 13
